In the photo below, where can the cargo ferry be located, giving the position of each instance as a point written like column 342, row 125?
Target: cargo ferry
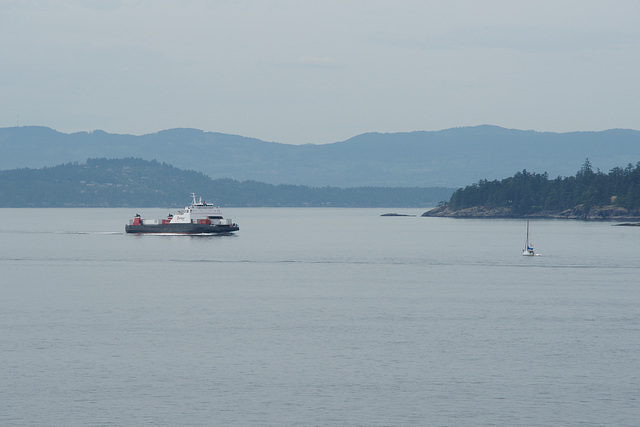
column 199, row 218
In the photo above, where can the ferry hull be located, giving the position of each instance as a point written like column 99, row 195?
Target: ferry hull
column 181, row 228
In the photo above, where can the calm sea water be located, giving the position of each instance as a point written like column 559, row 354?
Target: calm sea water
column 317, row 317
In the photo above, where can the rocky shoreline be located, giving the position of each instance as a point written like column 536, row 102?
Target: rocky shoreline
column 395, row 214
column 614, row 213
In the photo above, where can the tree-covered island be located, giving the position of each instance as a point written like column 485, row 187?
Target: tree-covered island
column 134, row 182
column 587, row 195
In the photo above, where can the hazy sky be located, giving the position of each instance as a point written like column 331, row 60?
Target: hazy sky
column 319, row 71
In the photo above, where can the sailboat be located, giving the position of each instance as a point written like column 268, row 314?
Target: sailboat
column 528, row 247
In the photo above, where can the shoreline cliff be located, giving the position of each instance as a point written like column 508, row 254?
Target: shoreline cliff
column 581, row 212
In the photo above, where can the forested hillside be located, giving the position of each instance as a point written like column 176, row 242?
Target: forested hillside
column 585, row 194
column 141, row 183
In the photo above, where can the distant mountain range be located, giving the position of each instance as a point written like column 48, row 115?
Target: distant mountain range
column 446, row 158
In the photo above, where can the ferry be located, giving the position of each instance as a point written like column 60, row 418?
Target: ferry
column 199, row 218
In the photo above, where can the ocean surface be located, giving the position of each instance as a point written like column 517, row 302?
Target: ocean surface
column 317, row 317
